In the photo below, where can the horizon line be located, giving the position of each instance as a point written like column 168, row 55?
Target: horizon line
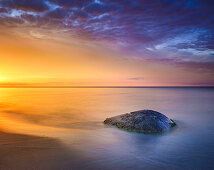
column 27, row 86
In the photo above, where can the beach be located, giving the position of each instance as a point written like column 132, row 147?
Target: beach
column 30, row 152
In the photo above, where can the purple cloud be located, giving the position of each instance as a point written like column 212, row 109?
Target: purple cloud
column 71, row 3
column 136, row 78
column 100, row 8
column 58, row 13
column 3, row 10
column 36, row 6
column 179, row 32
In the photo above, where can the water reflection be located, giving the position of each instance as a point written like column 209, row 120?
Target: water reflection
column 74, row 117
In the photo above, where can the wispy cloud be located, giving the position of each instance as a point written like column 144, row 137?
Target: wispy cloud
column 177, row 31
column 136, row 78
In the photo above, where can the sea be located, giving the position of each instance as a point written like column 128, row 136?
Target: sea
column 74, row 118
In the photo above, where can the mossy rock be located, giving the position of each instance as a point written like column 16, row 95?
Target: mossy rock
column 143, row 121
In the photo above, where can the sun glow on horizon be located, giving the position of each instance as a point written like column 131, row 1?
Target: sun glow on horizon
column 71, row 61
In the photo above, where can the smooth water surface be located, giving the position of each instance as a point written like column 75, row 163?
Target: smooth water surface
column 74, row 117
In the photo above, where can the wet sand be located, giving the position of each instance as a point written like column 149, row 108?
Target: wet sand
column 32, row 152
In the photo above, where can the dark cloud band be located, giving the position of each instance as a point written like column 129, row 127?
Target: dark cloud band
column 26, row 5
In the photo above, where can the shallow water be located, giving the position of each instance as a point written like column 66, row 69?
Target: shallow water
column 74, row 116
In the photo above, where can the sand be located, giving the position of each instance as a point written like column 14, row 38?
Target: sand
column 32, row 152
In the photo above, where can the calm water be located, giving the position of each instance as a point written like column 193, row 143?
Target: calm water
column 74, row 117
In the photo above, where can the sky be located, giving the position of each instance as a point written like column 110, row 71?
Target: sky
column 106, row 43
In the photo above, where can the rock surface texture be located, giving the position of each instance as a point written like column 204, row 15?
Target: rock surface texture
column 144, row 121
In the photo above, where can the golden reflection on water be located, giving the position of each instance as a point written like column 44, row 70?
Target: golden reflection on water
column 72, row 115
column 43, row 112
column 54, row 112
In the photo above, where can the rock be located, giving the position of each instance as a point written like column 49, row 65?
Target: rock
column 144, row 121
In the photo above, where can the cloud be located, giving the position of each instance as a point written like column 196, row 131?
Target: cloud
column 71, row 3
column 79, row 14
column 11, row 21
column 58, row 13
column 3, row 10
column 26, row 5
column 177, row 31
column 98, row 8
column 136, row 78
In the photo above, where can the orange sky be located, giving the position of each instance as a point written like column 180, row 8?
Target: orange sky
column 34, row 57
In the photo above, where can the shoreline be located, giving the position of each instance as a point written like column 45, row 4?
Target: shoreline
column 19, row 151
